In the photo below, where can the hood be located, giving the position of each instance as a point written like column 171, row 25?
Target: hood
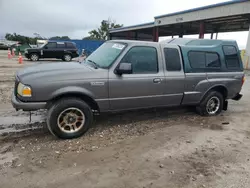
column 46, row 67
column 57, row 72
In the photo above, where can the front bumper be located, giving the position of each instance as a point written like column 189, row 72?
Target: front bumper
column 26, row 106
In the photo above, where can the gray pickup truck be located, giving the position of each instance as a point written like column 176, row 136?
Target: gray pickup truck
column 125, row 75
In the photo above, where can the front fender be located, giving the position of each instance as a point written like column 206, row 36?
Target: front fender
column 71, row 89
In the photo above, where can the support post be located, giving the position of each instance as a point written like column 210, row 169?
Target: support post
column 110, row 36
column 155, row 34
column 136, row 35
column 212, row 35
column 202, row 30
column 216, row 36
column 246, row 57
column 128, row 35
column 181, row 31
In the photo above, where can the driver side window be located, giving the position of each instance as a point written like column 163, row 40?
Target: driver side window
column 143, row 59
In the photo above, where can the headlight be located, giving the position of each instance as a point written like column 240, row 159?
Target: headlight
column 23, row 90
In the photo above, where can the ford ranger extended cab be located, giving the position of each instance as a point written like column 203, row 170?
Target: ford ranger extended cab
column 124, row 75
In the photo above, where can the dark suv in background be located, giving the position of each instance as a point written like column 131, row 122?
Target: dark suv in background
column 59, row 50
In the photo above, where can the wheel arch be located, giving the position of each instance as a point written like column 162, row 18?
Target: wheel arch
column 74, row 93
column 219, row 88
column 67, row 53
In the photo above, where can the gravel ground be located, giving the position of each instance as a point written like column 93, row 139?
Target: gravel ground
column 8, row 67
column 5, row 91
column 149, row 148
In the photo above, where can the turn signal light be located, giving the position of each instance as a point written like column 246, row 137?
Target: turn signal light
column 26, row 91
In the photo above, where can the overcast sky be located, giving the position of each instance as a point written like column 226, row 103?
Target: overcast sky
column 74, row 18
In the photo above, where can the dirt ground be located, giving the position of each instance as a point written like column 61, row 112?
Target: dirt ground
column 172, row 148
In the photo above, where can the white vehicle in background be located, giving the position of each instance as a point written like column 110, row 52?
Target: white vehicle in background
column 5, row 44
column 41, row 42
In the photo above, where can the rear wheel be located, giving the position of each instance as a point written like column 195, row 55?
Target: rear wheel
column 211, row 105
column 69, row 118
column 34, row 57
column 67, row 57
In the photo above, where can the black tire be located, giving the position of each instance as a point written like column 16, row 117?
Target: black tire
column 34, row 57
column 212, row 95
column 67, row 57
column 58, row 107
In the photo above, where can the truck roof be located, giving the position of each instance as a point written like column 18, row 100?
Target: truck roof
column 133, row 41
column 197, row 42
column 184, row 42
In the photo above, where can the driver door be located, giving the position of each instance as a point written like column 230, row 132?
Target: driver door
column 49, row 50
column 143, row 88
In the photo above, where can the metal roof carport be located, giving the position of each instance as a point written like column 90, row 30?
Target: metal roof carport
column 138, row 32
column 228, row 16
column 223, row 17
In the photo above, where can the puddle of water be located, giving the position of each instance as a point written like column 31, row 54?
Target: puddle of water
column 17, row 124
column 13, row 130
column 20, row 120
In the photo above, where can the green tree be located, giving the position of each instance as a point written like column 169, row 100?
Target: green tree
column 102, row 32
column 20, row 38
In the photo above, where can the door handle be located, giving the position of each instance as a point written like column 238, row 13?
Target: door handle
column 157, row 80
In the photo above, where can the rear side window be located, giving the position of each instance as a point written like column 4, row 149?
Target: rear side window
column 212, row 60
column 231, row 57
column 172, row 59
column 203, row 60
column 70, row 45
column 197, row 59
column 60, row 45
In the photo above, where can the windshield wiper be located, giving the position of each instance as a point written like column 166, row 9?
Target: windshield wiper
column 96, row 66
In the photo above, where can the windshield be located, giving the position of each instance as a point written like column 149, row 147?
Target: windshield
column 105, row 55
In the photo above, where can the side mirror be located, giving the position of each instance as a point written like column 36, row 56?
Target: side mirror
column 124, row 68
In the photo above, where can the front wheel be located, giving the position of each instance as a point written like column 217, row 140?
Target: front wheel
column 69, row 118
column 211, row 105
